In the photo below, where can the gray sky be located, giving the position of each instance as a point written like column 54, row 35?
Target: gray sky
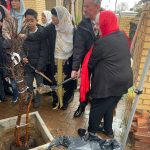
column 110, row 4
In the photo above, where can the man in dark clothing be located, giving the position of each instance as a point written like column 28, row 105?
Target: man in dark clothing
column 84, row 39
column 2, row 92
column 34, row 54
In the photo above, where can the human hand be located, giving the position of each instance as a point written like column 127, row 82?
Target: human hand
column 25, row 60
column 7, row 79
column 75, row 74
column 23, row 36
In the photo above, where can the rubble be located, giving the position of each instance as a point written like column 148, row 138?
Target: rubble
column 141, row 131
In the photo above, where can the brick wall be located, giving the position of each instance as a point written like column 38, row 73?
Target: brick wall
column 124, row 22
column 38, row 5
column 140, row 53
column 50, row 4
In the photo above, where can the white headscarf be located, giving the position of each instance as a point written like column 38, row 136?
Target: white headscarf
column 64, row 38
column 48, row 16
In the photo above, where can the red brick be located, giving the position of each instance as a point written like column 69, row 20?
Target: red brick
column 143, row 129
column 134, row 127
column 138, row 113
column 145, row 137
column 146, row 115
column 142, row 122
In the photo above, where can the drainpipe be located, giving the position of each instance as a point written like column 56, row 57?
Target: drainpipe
column 138, row 92
column 116, row 6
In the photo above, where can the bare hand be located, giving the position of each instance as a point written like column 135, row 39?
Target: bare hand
column 23, row 36
column 25, row 60
column 75, row 74
column 7, row 79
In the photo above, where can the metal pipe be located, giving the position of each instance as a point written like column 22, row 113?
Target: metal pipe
column 138, row 92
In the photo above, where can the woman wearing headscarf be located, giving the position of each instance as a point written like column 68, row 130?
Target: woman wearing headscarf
column 60, row 40
column 110, row 66
column 46, row 18
column 62, row 20
column 16, row 18
column 12, row 26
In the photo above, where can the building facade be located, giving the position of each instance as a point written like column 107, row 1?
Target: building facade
column 40, row 5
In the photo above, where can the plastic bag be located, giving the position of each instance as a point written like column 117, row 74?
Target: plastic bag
column 78, row 143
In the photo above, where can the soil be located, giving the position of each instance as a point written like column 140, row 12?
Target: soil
column 7, row 141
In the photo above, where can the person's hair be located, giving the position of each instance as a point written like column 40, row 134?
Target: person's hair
column 54, row 12
column 97, row 2
column 10, row 3
column 3, row 2
column 31, row 12
column 12, row 0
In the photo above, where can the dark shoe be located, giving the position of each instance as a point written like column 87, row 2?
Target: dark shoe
column 81, row 132
column 55, row 105
column 101, row 129
column 79, row 112
column 36, row 105
column 71, row 99
column 65, row 106
column 89, row 136
column 3, row 100
column 14, row 101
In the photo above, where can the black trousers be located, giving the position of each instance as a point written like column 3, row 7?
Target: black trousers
column 102, row 108
column 69, row 87
column 29, row 77
column 2, row 93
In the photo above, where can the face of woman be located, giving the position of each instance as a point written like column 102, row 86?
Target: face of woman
column 43, row 18
column 55, row 20
column 15, row 4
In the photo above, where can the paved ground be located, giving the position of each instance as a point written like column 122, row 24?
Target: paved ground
column 59, row 122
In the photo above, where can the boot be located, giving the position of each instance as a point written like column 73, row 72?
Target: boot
column 79, row 111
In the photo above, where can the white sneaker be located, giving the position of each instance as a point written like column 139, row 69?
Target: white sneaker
column 15, row 101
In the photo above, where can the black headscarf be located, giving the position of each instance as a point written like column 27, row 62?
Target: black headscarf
column 2, row 13
column 3, row 2
column 54, row 12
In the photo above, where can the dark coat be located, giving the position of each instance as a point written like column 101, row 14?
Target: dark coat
column 3, row 57
column 110, row 66
column 48, row 34
column 84, row 39
column 36, row 52
column 1, row 51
